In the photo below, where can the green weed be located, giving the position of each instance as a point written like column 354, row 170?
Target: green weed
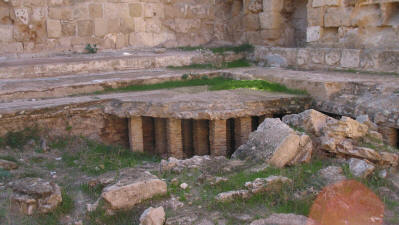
column 18, row 139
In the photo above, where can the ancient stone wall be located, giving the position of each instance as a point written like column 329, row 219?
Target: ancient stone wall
column 29, row 26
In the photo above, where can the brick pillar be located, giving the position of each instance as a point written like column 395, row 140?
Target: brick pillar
column 174, row 138
column 218, row 137
column 201, row 137
column 136, row 134
column 187, row 133
column 242, row 129
column 148, row 134
column 390, row 135
column 160, row 137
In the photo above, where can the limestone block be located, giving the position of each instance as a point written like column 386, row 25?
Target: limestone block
column 85, row 28
column 22, row 15
column 273, row 5
column 15, row 47
column 251, row 22
column 270, row 20
column 313, row 33
column 315, row 16
column 4, row 14
column 60, row 13
column 153, row 216
column 114, row 25
column 81, row 12
column 270, row 34
column 139, row 24
column 136, row 9
column 6, row 33
column 333, row 57
column 350, row 58
column 68, row 29
column 116, row 10
column 96, row 10
column 317, row 56
column 153, row 10
column 128, row 25
column 100, row 27
column 54, row 28
column 141, row 39
column 320, row 3
column 336, row 17
column 186, row 25
column 153, row 25
column 302, row 57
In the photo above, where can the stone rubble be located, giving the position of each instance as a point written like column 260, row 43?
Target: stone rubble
column 276, row 143
column 361, row 168
column 332, row 174
column 268, row 184
column 35, row 195
column 153, row 216
column 283, row 219
column 8, row 165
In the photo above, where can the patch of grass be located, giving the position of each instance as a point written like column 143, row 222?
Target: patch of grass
column 97, row 158
column 4, row 175
column 93, row 192
column 217, row 83
column 366, row 72
column 221, row 50
column 18, row 139
column 226, row 65
column 9, row 158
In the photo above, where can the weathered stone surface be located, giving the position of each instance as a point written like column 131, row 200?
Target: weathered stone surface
column 231, row 195
column 276, row 143
column 132, row 187
column 153, row 216
column 272, row 183
column 332, row 174
column 310, row 120
column 8, row 165
column 35, row 195
column 346, row 127
column 282, row 219
column 361, row 168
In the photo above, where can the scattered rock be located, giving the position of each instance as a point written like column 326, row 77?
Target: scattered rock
column 133, row 187
column 35, row 195
column 182, row 220
column 360, row 168
column 388, row 193
column 332, row 174
column 311, row 121
column 383, row 174
column 282, row 219
column 153, row 216
column 272, row 183
column 364, row 119
column 231, row 195
column 184, row 186
column 8, row 165
column 346, row 127
column 276, row 143
column 173, row 203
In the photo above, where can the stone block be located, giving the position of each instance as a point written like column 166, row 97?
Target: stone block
column 116, row 10
column 273, row 5
column 54, row 28
column 251, row 22
column 350, row 58
column 114, row 25
column 85, row 28
column 136, row 9
column 139, row 25
column 136, row 137
column 302, row 57
column 315, row 16
column 96, row 10
column 270, row 20
column 336, row 17
column 22, row 15
column 270, row 34
column 100, row 27
column 60, row 13
column 321, row 3
column 68, row 29
column 4, row 15
column 317, row 56
column 6, row 33
column 81, row 12
column 313, row 33
column 153, row 25
column 128, row 25
column 15, row 47
column 333, row 57
column 153, row 10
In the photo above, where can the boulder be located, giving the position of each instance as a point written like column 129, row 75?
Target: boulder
column 364, row 119
column 361, row 168
column 276, row 143
column 133, row 186
column 153, row 216
column 272, row 183
column 332, row 174
column 282, row 219
column 346, row 127
column 231, row 195
column 35, row 195
column 311, row 121
column 8, row 165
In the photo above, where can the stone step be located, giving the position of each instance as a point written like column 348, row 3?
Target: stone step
column 100, row 62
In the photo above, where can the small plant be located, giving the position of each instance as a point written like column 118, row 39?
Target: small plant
column 91, row 49
column 185, row 76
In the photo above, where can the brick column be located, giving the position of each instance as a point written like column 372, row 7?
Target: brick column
column 242, row 129
column 390, row 135
column 218, row 137
column 136, row 134
column 160, row 137
column 201, row 137
column 187, row 133
column 174, row 138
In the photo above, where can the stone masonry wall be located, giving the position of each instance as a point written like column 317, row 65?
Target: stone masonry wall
column 30, row 26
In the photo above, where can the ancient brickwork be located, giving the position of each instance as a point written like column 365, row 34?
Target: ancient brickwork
column 136, row 136
column 160, row 136
column 201, row 137
column 149, row 134
column 243, row 127
column 174, row 138
column 218, row 137
column 187, row 133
